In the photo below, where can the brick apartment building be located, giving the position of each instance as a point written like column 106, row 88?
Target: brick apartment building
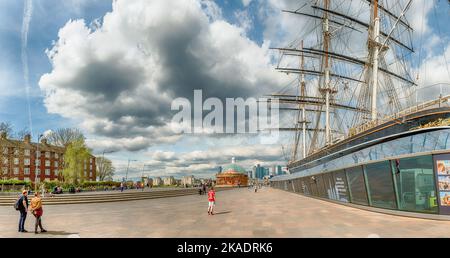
column 18, row 161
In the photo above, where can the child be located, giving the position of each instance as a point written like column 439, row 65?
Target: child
column 212, row 201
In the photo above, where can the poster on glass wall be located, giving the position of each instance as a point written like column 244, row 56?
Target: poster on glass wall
column 443, row 170
column 443, row 167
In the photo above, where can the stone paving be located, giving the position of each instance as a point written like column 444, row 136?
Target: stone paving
column 240, row 214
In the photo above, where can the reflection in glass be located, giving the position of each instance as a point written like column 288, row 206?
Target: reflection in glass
column 381, row 187
column 357, row 186
column 341, row 186
column 416, row 184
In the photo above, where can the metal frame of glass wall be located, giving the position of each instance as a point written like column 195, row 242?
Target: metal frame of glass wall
column 405, row 184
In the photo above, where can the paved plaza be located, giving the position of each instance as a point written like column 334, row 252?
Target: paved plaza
column 240, row 213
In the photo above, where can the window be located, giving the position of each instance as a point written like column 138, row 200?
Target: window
column 56, row 156
column 5, row 161
column 27, row 152
column 26, row 162
column 56, row 164
column 4, row 170
column 330, row 188
column 356, row 185
column 5, row 150
column 38, row 171
column 56, row 171
column 320, row 186
column 341, row 186
column 313, row 186
column 381, row 187
column 16, row 151
column 416, row 184
column 47, row 163
column 47, row 154
column 47, row 172
column 26, row 171
column 16, row 161
column 38, row 154
column 16, row 171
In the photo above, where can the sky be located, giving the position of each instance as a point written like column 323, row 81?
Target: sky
column 112, row 68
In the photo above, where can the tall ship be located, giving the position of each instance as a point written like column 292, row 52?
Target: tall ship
column 363, row 132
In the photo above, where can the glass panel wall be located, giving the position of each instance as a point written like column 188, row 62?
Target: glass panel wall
column 356, row 185
column 416, row 184
column 313, row 186
column 320, row 186
column 305, row 186
column 341, row 186
column 330, row 187
column 381, row 187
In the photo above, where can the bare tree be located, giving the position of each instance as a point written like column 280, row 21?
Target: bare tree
column 64, row 136
column 6, row 127
column 105, row 169
column 21, row 134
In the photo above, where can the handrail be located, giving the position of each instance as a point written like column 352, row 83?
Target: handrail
column 372, row 124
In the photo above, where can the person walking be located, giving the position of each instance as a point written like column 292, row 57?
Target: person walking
column 204, row 188
column 121, row 187
column 23, row 209
column 212, row 201
column 37, row 211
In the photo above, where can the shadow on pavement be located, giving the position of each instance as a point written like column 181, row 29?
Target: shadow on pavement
column 58, row 233
column 222, row 213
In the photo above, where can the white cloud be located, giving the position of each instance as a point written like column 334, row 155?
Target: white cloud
column 207, row 161
column 119, row 79
column 246, row 2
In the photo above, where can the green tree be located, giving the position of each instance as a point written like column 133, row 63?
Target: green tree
column 75, row 156
column 105, row 169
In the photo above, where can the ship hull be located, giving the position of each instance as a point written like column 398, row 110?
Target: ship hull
column 395, row 166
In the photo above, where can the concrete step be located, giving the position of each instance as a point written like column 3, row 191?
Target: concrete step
column 102, row 198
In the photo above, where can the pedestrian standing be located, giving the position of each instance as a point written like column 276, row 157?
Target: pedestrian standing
column 23, row 209
column 36, row 209
column 121, row 187
column 212, row 201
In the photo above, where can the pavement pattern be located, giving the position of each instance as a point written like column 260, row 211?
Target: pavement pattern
column 240, row 213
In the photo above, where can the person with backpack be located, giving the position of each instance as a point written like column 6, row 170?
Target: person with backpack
column 36, row 209
column 22, row 206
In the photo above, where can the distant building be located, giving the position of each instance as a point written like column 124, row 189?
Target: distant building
column 232, row 175
column 148, row 181
column 188, row 181
column 168, row 181
column 28, row 161
column 157, row 181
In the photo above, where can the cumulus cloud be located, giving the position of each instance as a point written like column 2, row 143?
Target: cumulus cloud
column 120, row 77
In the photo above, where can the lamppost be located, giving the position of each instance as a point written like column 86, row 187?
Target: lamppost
column 128, row 167
column 37, row 162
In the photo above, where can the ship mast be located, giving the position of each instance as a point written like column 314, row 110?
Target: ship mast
column 368, row 80
column 376, row 51
column 327, row 89
column 302, row 108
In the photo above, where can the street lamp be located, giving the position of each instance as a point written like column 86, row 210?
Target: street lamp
column 37, row 164
column 128, row 167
